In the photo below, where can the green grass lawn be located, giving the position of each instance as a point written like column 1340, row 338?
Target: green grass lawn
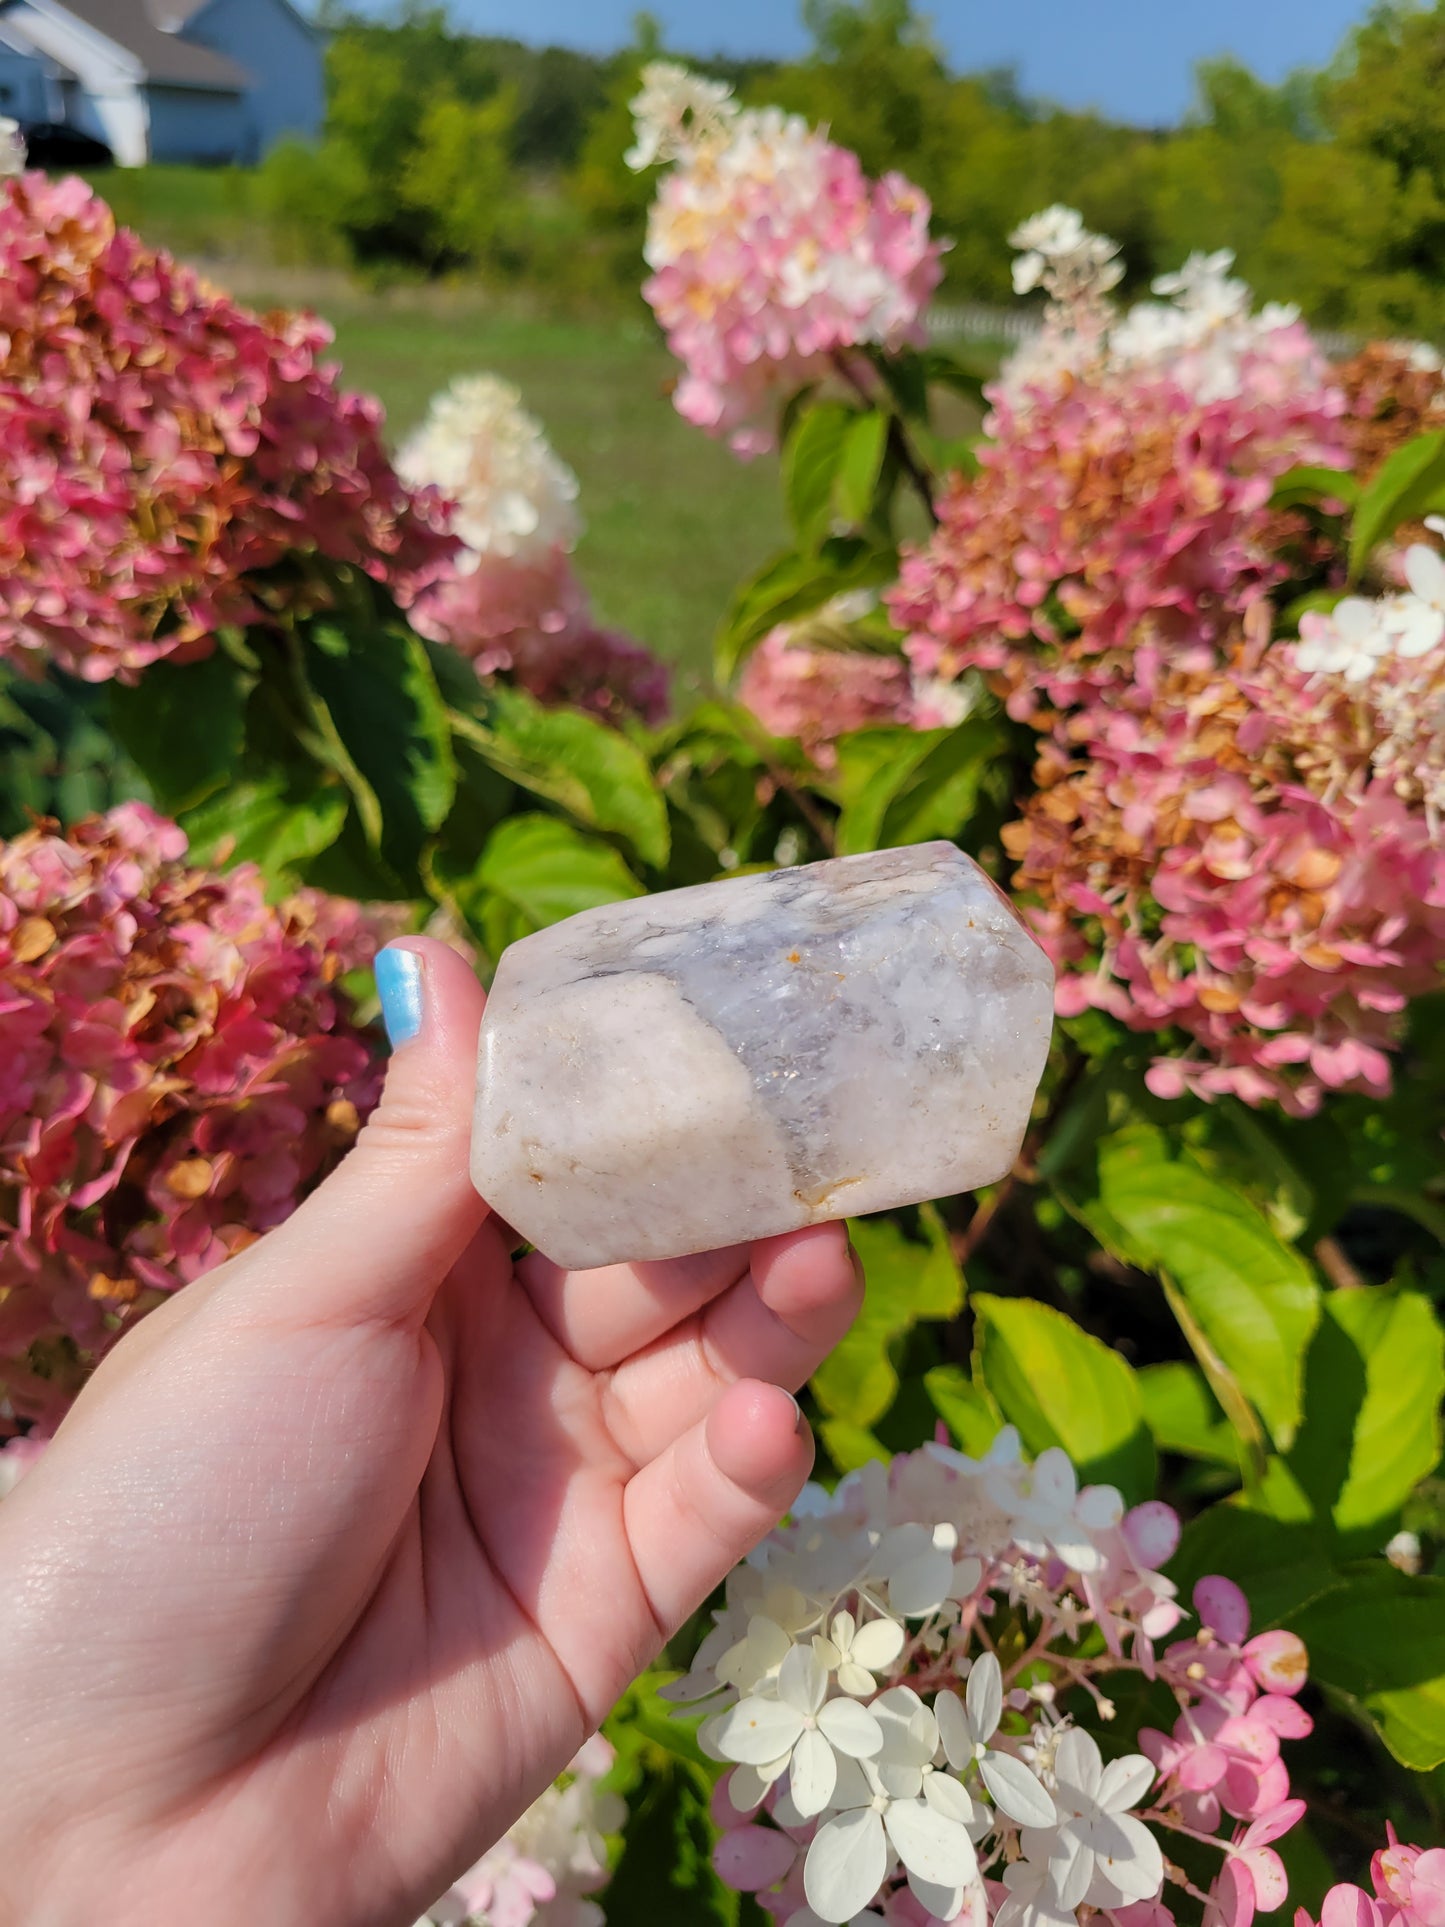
column 673, row 519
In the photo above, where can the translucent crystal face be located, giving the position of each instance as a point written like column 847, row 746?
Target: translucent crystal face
column 740, row 1059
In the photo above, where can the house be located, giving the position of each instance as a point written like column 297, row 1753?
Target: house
column 164, row 80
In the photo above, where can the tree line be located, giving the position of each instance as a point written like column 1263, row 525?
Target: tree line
column 446, row 151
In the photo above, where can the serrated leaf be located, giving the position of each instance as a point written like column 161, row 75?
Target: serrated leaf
column 374, row 688
column 543, row 869
column 859, row 467
column 270, row 824
column 1280, row 1566
column 183, row 725
column 1253, row 1296
column 965, row 1408
column 1410, row 482
column 900, row 786
column 592, row 771
column 1374, row 1380
column 793, row 585
column 906, row 1281
column 1183, row 1414
column 811, row 459
column 1061, row 1386
column 1379, row 1638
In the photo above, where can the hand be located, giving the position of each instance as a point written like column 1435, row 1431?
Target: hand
column 344, row 1551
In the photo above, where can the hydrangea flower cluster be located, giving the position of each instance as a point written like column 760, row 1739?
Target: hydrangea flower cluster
column 1203, row 335
column 541, row 1871
column 808, row 678
column 771, row 252
column 178, row 1067
column 1393, row 391
column 1238, row 863
column 1409, row 1891
column 1120, row 521
column 510, row 601
column 162, row 450
column 897, row 1677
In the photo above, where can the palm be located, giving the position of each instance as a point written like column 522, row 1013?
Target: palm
column 388, row 1549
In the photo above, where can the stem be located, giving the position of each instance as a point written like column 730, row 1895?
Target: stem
column 1332, row 1261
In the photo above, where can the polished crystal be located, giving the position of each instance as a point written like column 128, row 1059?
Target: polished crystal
column 742, row 1058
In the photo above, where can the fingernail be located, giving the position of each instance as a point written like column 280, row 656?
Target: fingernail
column 800, row 1424
column 399, row 986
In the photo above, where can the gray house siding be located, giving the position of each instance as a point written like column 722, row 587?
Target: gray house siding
column 283, row 57
column 190, row 124
column 24, row 91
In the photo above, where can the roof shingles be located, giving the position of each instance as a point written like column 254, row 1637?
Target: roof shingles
column 165, row 56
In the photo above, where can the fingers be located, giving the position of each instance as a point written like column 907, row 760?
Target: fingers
column 706, row 1501
column 777, row 1323
column 376, row 1239
column 603, row 1316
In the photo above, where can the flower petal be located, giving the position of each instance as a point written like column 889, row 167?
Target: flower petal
column 1078, row 1764
column 920, row 1586
column 851, row 1728
column 751, row 1858
column 846, row 1865
column 953, row 1728
column 813, row 1775
column 949, row 1797
column 1016, row 1791
column 803, row 1680
column 935, row 1848
column 985, row 1697
column 1124, row 1782
column 877, row 1644
column 756, row 1731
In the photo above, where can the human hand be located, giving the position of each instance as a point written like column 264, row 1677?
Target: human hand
column 345, row 1549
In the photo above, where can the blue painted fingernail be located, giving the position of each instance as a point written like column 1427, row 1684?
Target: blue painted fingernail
column 399, row 986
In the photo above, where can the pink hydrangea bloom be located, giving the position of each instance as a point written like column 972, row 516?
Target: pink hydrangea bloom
column 818, row 694
column 772, row 252
column 1118, row 527
column 178, row 1067
column 1409, row 1891
column 162, row 449
column 530, row 620
column 1226, row 864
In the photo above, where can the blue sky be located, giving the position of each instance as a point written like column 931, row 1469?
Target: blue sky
column 1130, row 58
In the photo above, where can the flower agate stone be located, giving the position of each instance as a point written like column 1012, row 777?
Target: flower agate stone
column 742, row 1058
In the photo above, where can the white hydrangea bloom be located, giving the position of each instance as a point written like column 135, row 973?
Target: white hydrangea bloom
column 1096, row 1852
column 675, row 112
column 514, row 496
column 800, row 1732
column 965, row 1728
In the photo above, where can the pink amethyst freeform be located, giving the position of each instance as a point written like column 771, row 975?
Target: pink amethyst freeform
column 746, row 1057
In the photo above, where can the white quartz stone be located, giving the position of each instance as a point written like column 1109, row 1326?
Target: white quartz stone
column 723, row 1063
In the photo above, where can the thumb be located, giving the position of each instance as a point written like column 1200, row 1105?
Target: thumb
column 374, row 1241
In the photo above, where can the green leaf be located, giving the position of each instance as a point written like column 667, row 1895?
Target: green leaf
column 965, row 1408
column 183, row 724
column 1183, row 1414
column 543, row 870
column 666, row 1871
column 1378, row 1638
column 906, row 1281
column 860, row 465
column 1410, row 483
column 374, row 686
column 850, row 1446
column 272, row 824
column 1061, row 1386
column 1254, row 1298
column 1313, row 482
column 591, row 770
column 1374, row 1380
column 811, row 461
column 792, row 585
column 901, row 786
column 1280, row 1566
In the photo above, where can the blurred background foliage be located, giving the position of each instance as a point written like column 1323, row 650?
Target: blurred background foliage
column 450, row 153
